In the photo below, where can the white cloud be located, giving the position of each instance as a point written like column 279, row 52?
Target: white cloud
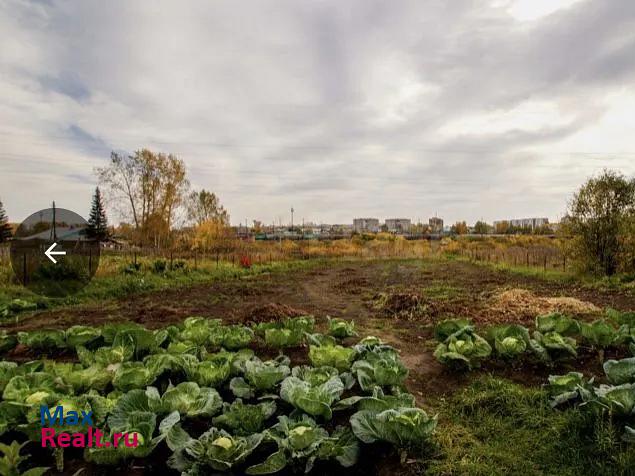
column 528, row 116
column 529, row 10
column 406, row 108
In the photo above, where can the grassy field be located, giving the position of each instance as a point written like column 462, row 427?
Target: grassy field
column 115, row 279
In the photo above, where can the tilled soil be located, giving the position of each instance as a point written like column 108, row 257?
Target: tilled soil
column 350, row 290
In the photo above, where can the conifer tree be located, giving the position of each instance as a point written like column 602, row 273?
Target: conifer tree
column 97, row 222
column 5, row 228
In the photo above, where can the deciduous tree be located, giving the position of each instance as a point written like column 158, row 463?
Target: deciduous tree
column 147, row 188
column 600, row 220
column 481, row 228
column 459, row 228
column 204, row 206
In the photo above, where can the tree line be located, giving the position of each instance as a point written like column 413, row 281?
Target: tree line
column 152, row 193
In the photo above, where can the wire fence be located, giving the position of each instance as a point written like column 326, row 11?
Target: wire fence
column 530, row 257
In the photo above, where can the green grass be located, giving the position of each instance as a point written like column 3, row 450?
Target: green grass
column 442, row 291
column 494, row 427
column 115, row 284
column 618, row 282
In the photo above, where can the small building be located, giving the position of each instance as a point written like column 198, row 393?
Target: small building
column 398, row 225
column 436, row 225
column 366, row 225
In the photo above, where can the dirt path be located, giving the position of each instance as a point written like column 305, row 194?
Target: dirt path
column 443, row 289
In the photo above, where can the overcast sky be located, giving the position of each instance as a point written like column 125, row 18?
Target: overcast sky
column 467, row 109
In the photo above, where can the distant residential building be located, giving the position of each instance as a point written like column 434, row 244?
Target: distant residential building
column 366, row 225
column 398, row 225
column 527, row 223
column 436, row 225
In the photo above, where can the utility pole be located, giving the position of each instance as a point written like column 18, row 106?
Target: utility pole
column 292, row 218
column 53, row 228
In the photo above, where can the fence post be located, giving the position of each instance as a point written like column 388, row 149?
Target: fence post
column 544, row 267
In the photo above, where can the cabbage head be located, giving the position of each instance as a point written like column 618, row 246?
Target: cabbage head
column 402, row 427
column 619, row 372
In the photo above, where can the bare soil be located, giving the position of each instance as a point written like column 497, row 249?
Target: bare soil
column 414, row 295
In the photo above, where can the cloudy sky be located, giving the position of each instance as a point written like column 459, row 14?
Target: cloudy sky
column 467, row 109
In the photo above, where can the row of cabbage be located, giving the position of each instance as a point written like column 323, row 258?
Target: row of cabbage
column 195, row 332
column 555, row 337
column 615, row 399
column 197, row 391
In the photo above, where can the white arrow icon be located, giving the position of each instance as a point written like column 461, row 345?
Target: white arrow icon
column 49, row 253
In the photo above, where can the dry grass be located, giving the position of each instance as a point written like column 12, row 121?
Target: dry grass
column 521, row 302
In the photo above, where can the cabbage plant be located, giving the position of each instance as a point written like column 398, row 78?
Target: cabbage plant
column 260, row 376
column 509, row 341
column 210, row 373
column 553, row 346
column 183, row 347
column 34, row 388
column 279, row 338
column 377, row 402
column 12, row 460
column 215, row 449
column 7, row 341
column 7, row 371
column 197, row 330
column 301, row 442
column 81, row 335
column 316, row 400
column 380, row 368
column 565, row 388
column 403, row 427
column 444, row 329
column 463, row 349
column 144, row 341
column 243, row 418
column 332, row 356
column 131, row 415
column 94, row 377
column 619, row 372
column 131, row 375
column 557, row 322
column 370, row 344
column 168, row 363
column 43, row 340
column 233, row 337
column 297, row 325
column 187, row 398
column 314, row 375
column 600, row 334
column 619, row 399
column 341, row 328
